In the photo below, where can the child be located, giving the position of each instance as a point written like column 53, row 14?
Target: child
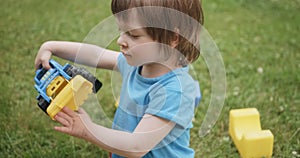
column 158, row 39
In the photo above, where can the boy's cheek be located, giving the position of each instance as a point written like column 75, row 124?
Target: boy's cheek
column 147, row 53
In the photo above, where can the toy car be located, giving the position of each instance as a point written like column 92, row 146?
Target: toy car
column 63, row 86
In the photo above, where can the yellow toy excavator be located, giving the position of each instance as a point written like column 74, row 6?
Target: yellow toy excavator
column 63, row 86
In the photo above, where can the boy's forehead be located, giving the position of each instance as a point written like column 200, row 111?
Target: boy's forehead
column 129, row 24
column 129, row 20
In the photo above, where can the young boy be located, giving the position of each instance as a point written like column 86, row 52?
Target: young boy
column 158, row 39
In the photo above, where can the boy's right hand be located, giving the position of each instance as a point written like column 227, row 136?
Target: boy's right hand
column 43, row 57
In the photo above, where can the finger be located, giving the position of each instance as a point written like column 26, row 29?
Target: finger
column 69, row 112
column 62, row 129
column 42, row 64
column 46, row 65
column 43, row 58
column 45, row 62
column 37, row 65
column 63, row 119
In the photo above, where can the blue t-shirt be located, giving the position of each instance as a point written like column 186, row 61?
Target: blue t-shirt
column 170, row 96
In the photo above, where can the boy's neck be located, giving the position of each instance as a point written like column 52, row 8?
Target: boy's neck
column 153, row 70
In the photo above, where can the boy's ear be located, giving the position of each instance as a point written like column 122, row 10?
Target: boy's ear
column 175, row 38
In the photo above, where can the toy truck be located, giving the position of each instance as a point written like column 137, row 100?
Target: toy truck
column 61, row 86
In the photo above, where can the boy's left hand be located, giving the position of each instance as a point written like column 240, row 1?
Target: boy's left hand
column 73, row 123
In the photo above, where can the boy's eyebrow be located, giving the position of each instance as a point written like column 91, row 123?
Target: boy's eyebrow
column 126, row 27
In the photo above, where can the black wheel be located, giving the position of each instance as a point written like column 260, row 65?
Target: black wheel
column 73, row 71
column 43, row 104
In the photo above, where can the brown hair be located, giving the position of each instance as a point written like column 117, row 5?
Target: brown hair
column 163, row 18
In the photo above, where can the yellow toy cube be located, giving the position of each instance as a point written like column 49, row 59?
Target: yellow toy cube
column 245, row 130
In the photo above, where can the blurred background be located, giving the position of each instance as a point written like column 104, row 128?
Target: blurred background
column 258, row 40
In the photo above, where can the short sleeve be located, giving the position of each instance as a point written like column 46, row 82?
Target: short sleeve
column 171, row 104
column 123, row 66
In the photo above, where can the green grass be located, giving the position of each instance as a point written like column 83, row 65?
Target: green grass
column 250, row 35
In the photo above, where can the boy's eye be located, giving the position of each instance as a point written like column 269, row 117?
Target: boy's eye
column 132, row 35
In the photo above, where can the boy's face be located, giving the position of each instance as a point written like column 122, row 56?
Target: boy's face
column 136, row 45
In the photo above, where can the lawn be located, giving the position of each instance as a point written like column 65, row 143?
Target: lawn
column 258, row 41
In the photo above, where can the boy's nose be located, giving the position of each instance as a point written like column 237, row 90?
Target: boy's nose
column 121, row 42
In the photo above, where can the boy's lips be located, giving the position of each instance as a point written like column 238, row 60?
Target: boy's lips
column 125, row 53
